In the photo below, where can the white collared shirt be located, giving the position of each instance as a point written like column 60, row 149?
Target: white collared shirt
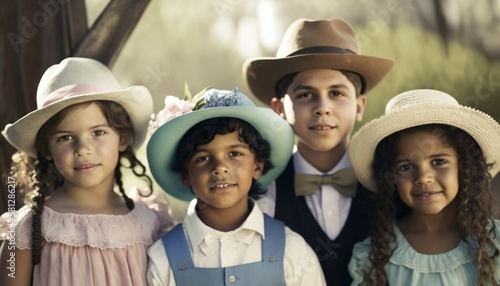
column 212, row 248
column 327, row 205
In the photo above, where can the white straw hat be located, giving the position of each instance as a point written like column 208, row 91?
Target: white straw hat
column 421, row 107
column 77, row 80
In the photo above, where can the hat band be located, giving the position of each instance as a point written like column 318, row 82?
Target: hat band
column 322, row 50
column 72, row 90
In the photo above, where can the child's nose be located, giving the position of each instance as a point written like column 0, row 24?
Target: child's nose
column 322, row 107
column 423, row 176
column 82, row 148
column 220, row 167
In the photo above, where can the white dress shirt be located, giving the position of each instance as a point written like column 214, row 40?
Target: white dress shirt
column 327, row 205
column 212, row 248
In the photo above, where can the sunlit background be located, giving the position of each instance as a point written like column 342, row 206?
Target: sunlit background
column 447, row 45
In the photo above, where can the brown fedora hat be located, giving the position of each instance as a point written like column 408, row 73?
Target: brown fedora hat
column 306, row 45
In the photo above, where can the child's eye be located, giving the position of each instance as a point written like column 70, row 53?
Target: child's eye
column 98, row 132
column 335, row 93
column 235, row 153
column 438, row 162
column 202, row 159
column 64, row 138
column 304, row 95
column 404, row 167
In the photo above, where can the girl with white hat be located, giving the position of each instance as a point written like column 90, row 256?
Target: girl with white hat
column 430, row 161
column 75, row 229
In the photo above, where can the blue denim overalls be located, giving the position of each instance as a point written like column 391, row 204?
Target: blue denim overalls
column 269, row 271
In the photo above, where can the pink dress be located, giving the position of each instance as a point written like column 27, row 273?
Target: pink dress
column 101, row 249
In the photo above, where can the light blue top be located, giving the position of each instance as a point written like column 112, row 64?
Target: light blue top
column 410, row 268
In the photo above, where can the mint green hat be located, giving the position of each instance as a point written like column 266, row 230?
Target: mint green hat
column 212, row 103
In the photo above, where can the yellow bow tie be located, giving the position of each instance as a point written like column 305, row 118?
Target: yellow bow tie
column 344, row 181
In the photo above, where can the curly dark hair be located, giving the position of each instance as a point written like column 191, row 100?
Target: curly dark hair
column 37, row 178
column 474, row 209
column 204, row 132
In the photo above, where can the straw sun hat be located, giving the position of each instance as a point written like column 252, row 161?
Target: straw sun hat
column 306, row 45
column 162, row 145
column 421, row 107
column 77, row 80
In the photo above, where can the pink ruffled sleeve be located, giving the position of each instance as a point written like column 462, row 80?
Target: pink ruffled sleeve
column 159, row 205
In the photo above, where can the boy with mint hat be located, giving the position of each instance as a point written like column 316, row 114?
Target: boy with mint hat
column 221, row 156
column 317, row 82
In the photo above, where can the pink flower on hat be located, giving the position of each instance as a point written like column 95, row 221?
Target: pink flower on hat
column 173, row 108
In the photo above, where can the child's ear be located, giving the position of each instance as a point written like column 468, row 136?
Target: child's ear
column 47, row 156
column 277, row 107
column 360, row 107
column 125, row 140
column 258, row 170
column 185, row 180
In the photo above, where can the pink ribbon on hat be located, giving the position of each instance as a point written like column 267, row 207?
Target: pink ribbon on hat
column 73, row 90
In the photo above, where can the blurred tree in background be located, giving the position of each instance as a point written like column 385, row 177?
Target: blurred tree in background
column 440, row 44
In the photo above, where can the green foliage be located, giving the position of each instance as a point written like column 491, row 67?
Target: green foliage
column 176, row 43
column 423, row 60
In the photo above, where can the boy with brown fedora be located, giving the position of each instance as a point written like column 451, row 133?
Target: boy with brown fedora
column 318, row 82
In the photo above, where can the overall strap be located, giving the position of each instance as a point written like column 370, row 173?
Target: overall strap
column 177, row 249
column 269, row 271
column 273, row 246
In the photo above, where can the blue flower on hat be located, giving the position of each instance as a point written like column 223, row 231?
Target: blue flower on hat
column 207, row 98
column 216, row 99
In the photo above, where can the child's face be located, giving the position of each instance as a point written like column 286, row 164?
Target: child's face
column 221, row 172
column 426, row 172
column 85, row 149
column 322, row 108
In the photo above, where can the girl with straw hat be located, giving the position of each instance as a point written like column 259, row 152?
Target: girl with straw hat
column 75, row 229
column 430, row 161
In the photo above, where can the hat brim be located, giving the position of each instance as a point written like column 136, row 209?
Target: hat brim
column 136, row 100
column 480, row 126
column 162, row 145
column 262, row 74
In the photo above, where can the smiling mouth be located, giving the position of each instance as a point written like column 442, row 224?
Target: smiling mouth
column 321, row 128
column 222, row 186
column 84, row 167
column 427, row 196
